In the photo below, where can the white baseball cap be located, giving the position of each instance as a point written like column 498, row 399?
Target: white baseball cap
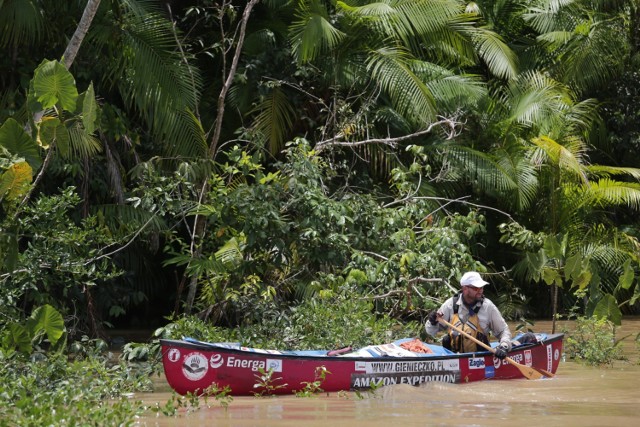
column 472, row 278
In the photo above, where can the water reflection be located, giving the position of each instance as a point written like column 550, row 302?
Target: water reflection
column 578, row 396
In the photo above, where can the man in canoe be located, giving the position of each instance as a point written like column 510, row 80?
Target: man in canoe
column 476, row 315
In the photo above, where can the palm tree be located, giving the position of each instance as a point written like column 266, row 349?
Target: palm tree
column 376, row 68
column 585, row 40
column 533, row 158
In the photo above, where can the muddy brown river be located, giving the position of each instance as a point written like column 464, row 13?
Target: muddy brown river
column 578, row 396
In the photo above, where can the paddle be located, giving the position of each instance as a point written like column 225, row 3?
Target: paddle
column 528, row 371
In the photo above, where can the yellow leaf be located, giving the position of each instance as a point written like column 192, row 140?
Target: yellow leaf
column 14, row 182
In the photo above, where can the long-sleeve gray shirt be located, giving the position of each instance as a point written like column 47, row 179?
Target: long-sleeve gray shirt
column 489, row 317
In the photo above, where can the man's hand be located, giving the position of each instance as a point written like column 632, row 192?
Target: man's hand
column 501, row 352
column 433, row 317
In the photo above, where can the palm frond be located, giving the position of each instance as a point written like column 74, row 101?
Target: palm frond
column 581, row 116
column 499, row 58
column 607, row 192
column 582, row 36
column 555, row 38
column 590, row 58
column 312, row 34
column 608, row 171
column 259, row 41
column 561, row 156
column 379, row 15
column 535, row 98
column 438, row 30
column 457, row 92
column 274, row 119
column 152, row 76
column 391, row 70
column 508, row 175
column 82, row 145
column 548, row 15
column 525, row 174
column 230, row 253
column 451, row 91
column 184, row 135
column 21, row 22
column 156, row 73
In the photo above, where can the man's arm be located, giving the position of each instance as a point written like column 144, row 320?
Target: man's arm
column 447, row 311
column 499, row 327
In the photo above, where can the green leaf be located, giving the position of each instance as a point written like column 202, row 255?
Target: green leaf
column 583, row 279
column 573, row 266
column 48, row 130
column 553, row 247
column 53, row 84
column 89, row 110
column 49, row 320
column 19, row 143
column 626, row 279
column 19, row 337
column 608, row 308
column 551, row 276
column 52, row 131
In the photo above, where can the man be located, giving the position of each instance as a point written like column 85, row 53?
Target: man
column 476, row 315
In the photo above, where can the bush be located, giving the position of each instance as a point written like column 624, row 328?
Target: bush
column 320, row 323
column 55, row 391
column 593, row 341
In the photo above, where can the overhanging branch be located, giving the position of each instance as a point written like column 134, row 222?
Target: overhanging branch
column 451, row 127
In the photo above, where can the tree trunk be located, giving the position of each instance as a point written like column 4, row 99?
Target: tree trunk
column 199, row 223
column 634, row 29
column 81, row 30
column 554, row 307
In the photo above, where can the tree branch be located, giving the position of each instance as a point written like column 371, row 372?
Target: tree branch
column 452, row 129
column 227, row 84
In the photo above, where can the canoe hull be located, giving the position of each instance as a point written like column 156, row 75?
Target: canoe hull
column 193, row 367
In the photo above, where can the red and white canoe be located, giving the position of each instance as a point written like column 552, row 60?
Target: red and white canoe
column 191, row 366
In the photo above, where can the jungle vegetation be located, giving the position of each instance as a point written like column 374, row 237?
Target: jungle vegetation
column 246, row 164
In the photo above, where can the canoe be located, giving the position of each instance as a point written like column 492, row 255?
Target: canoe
column 191, row 366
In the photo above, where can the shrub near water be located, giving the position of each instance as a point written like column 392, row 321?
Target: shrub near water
column 328, row 322
column 44, row 382
column 50, row 390
column 593, row 342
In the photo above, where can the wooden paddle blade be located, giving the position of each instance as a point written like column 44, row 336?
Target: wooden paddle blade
column 528, row 372
column 545, row 373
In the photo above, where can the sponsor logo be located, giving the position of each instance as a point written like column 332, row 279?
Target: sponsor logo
column 476, row 363
column 549, row 358
column 274, row 364
column 415, row 366
column 174, row 355
column 255, row 365
column 489, row 372
column 519, row 358
column 528, row 359
column 556, row 354
column 195, row 366
column 360, row 381
column 216, row 360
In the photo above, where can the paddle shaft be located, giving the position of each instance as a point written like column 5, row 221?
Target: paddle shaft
column 527, row 371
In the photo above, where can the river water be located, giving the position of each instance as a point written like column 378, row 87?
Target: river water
column 578, row 396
